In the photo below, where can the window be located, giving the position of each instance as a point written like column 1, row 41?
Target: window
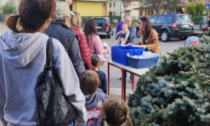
column 160, row 19
column 169, row 19
column 145, row 12
column 141, row 13
column 153, row 19
column 183, row 18
column 114, row 4
column 152, row 12
column 99, row 20
column 110, row 4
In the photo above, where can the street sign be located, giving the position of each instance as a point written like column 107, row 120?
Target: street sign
column 126, row 4
column 207, row 6
column 69, row 2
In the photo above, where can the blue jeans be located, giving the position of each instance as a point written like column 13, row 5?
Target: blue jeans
column 130, row 75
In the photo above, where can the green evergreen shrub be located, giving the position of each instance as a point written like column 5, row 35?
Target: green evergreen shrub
column 177, row 92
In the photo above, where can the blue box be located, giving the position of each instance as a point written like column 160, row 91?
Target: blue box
column 119, row 53
column 142, row 63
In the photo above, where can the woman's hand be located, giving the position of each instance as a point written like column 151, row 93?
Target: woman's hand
column 143, row 46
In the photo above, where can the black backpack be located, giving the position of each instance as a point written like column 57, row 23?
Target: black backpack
column 53, row 107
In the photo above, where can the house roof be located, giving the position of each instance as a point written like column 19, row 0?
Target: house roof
column 150, row 6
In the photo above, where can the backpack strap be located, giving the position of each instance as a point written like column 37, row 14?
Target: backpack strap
column 49, row 52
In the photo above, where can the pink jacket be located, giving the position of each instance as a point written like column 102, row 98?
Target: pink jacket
column 95, row 45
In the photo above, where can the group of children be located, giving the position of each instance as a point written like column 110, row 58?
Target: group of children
column 93, row 84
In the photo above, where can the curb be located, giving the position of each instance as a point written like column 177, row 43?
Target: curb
column 3, row 26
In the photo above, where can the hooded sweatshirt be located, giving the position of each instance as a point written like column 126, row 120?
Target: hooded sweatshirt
column 22, row 59
column 93, row 105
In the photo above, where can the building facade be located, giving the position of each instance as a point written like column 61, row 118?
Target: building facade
column 91, row 7
column 117, row 8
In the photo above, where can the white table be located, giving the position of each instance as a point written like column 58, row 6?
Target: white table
column 124, row 68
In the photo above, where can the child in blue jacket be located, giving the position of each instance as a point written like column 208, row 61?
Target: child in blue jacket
column 94, row 96
column 96, row 63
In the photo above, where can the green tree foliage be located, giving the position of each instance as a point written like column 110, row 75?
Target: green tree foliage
column 9, row 8
column 177, row 92
column 199, row 8
column 170, row 5
column 194, row 9
column 190, row 8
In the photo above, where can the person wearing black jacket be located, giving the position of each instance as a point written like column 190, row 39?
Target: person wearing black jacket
column 60, row 30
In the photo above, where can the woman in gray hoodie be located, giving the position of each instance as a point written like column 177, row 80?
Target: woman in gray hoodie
column 22, row 59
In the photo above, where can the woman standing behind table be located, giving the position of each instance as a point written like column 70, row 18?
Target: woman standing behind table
column 75, row 24
column 148, row 37
column 94, row 41
column 22, row 60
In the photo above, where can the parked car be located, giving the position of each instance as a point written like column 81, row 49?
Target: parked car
column 103, row 26
column 172, row 25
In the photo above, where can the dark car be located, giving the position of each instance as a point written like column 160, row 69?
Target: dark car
column 172, row 25
column 103, row 26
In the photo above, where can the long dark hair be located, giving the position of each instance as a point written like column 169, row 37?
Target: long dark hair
column 32, row 15
column 148, row 26
column 90, row 29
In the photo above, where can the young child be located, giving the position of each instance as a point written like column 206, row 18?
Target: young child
column 96, row 63
column 115, row 112
column 94, row 96
column 123, row 35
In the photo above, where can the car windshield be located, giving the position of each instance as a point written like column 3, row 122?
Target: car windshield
column 183, row 18
column 100, row 21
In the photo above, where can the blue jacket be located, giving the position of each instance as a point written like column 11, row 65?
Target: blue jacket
column 103, row 81
column 68, row 39
column 131, row 35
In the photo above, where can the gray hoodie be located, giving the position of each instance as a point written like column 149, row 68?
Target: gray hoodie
column 22, row 59
column 93, row 105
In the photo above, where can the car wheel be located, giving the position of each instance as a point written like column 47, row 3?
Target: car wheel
column 109, row 36
column 164, row 36
column 183, row 38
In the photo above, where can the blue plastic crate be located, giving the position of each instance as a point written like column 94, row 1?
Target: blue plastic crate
column 119, row 53
column 142, row 63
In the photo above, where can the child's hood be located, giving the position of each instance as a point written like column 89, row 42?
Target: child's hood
column 21, row 48
column 92, row 100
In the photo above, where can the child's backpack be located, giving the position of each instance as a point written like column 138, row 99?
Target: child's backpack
column 53, row 107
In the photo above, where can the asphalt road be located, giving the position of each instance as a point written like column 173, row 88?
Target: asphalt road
column 115, row 73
